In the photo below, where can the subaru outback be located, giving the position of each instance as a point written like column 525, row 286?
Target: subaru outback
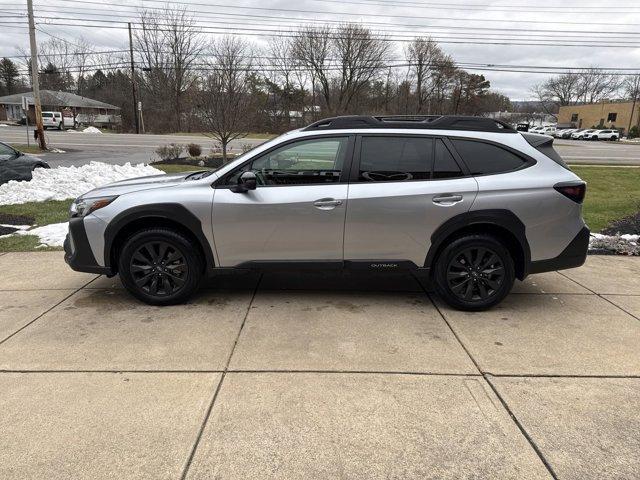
column 470, row 201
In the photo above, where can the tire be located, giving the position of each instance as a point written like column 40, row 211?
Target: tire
column 175, row 280
column 465, row 286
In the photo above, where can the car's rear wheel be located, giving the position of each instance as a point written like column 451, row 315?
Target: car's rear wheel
column 160, row 266
column 474, row 272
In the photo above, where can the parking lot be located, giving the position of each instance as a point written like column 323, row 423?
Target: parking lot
column 318, row 376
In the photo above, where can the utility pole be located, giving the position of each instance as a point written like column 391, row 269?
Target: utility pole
column 34, row 76
column 133, row 81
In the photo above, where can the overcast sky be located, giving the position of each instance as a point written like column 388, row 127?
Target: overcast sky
column 455, row 20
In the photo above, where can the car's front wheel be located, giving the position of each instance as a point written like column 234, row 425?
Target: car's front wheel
column 474, row 272
column 160, row 266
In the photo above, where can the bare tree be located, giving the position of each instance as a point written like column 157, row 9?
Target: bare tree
column 169, row 43
column 343, row 60
column 225, row 102
column 595, row 85
column 424, row 57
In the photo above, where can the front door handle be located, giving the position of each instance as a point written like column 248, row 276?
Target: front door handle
column 447, row 199
column 327, row 203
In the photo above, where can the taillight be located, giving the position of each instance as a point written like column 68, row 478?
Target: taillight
column 574, row 191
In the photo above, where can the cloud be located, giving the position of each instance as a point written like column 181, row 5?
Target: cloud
column 401, row 17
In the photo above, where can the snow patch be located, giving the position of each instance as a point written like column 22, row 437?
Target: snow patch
column 3, row 125
column 69, row 182
column 627, row 244
column 91, row 130
column 51, row 235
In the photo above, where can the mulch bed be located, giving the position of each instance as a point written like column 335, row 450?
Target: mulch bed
column 7, row 230
column 626, row 225
column 210, row 162
column 9, row 219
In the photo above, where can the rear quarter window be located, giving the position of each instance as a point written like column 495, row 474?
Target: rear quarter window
column 485, row 159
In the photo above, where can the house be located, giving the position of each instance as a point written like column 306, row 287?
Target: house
column 85, row 110
column 608, row 114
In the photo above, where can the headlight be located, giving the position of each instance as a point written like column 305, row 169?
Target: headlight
column 82, row 207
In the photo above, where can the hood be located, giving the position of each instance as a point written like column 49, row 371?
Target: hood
column 137, row 184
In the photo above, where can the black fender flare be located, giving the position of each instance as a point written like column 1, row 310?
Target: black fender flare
column 502, row 218
column 168, row 211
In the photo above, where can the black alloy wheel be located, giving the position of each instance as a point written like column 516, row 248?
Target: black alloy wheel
column 475, row 273
column 158, row 268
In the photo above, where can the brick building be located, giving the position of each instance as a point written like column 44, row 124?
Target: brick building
column 605, row 114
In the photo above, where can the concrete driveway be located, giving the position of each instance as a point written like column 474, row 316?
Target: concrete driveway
column 317, row 376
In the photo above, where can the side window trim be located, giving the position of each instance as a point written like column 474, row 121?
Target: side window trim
column 344, row 174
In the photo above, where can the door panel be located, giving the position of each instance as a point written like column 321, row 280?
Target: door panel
column 297, row 211
column 404, row 187
column 279, row 223
column 394, row 221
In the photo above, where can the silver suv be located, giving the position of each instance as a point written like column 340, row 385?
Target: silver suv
column 470, row 200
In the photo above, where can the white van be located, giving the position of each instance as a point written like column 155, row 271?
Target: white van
column 57, row 120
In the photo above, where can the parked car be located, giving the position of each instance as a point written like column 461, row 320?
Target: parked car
column 57, row 120
column 579, row 135
column 548, row 130
column 15, row 165
column 470, row 200
column 603, row 135
column 567, row 133
column 559, row 133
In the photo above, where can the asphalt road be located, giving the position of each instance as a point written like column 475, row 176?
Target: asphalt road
column 82, row 148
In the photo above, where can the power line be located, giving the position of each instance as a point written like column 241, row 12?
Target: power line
column 247, row 16
column 351, row 14
column 260, row 32
column 559, row 36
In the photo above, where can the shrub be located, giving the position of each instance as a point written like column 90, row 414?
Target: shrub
column 634, row 133
column 194, row 150
column 169, row 152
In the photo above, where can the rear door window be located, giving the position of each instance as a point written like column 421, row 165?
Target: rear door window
column 485, row 158
column 395, row 159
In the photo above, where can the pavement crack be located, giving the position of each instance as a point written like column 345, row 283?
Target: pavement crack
column 219, row 386
column 602, row 296
column 46, row 311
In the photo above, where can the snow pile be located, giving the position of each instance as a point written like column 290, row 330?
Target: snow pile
column 69, row 182
column 51, row 235
column 91, row 130
column 3, row 125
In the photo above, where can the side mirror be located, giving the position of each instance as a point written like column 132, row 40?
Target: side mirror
column 247, row 181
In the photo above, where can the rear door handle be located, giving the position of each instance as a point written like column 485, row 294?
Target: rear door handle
column 327, row 203
column 447, row 199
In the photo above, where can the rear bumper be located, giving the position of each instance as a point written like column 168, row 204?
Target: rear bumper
column 573, row 256
column 77, row 251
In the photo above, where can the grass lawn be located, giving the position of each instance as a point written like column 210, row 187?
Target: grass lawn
column 32, row 148
column 612, row 193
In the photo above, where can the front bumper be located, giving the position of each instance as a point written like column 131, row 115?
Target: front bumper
column 571, row 257
column 77, row 251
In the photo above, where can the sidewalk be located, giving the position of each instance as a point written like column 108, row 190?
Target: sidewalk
column 318, row 376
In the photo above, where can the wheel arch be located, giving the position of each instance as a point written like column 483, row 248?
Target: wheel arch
column 503, row 224
column 173, row 216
